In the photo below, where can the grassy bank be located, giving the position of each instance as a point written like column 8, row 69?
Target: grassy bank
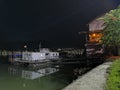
column 113, row 81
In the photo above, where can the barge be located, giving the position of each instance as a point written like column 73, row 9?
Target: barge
column 28, row 58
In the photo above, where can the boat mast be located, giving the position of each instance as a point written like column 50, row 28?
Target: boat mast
column 40, row 46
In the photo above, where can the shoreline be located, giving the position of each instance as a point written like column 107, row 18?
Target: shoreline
column 95, row 79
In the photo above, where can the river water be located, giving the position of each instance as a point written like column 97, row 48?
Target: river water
column 49, row 77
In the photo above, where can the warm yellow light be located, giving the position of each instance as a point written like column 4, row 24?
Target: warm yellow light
column 93, row 34
column 95, row 37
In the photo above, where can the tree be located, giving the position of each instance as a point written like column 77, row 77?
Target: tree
column 111, row 32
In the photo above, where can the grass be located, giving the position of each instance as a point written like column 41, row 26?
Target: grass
column 113, row 80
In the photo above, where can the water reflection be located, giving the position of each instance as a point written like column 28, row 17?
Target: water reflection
column 28, row 74
column 19, row 78
column 49, row 77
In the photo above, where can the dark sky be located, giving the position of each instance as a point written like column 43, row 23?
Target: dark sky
column 55, row 23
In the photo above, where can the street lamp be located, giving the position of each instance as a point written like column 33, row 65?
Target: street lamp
column 25, row 46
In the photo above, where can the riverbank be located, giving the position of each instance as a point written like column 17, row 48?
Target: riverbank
column 93, row 80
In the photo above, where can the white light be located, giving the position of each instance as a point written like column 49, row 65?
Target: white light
column 25, row 46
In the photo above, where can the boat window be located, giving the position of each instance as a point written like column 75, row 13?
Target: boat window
column 46, row 53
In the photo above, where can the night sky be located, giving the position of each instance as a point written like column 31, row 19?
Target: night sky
column 55, row 23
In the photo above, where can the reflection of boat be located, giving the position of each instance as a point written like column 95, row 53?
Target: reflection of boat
column 39, row 73
column 28, row 74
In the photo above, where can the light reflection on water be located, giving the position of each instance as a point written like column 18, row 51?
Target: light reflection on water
column 28, row 74
column 16, row 78
column 51, row 77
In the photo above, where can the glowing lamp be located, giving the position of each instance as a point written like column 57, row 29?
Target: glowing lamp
column 94, row 35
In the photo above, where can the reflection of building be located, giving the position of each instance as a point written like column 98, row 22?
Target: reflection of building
column 28, row 74
column 14, row 71
column 39, row 73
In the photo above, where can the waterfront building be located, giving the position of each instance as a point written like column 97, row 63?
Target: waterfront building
column 94, row 46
